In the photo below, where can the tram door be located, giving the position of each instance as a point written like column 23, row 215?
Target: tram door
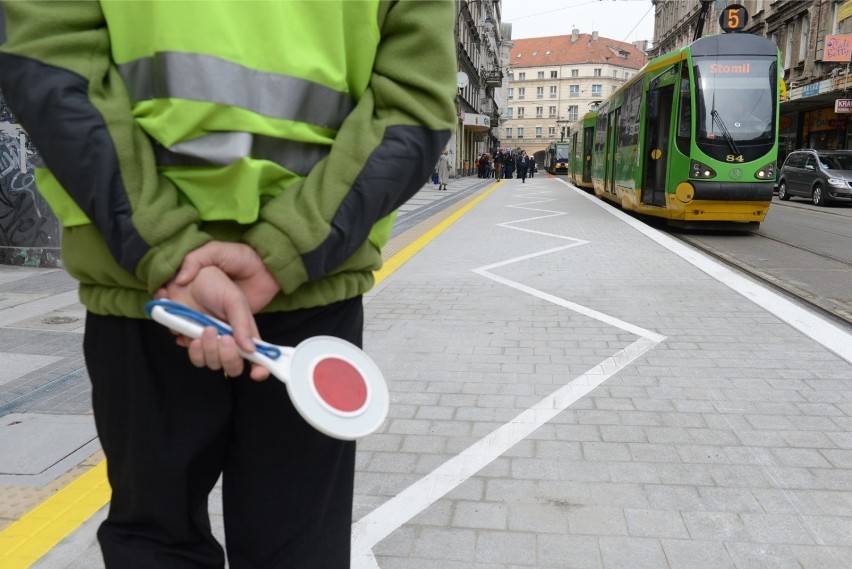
column 657, row 138
column 609, row 182
column 588, row 140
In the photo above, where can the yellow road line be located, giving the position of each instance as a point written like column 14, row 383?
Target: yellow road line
column 408, row 252
column 25, row 541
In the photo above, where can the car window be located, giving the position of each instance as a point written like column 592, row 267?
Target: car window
column 796, row 160
column 837, row 162
column 811, row 162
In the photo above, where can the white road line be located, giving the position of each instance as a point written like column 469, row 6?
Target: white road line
column 819, row 329
column 393, row 514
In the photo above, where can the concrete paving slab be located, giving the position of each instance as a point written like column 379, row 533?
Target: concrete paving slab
column 35, row 448
column 18, row 365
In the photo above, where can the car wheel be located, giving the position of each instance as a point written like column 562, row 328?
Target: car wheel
column 782, row 190
column 818, row 196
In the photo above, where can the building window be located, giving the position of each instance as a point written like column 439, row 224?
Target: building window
column 520, row 112
column 521, row 92
column 627, row 75
column 522, row 76
column 510, row 92
column 508, row 132
column 615, row 73
column 540, row 75
column 613, row 89
column 551, row 112
column 573, row 90
column 551, row 131
column 553, row 91
column 539, row 112
column 538, row 132
column 511, row 76
column 520, row 132
column 553, row 74
column 597, row 71
column 788, row 46
column 572, row 113
column 575, row 73
column 597, row 90
column 539, row 92
column 805, row 22
column 508, row 112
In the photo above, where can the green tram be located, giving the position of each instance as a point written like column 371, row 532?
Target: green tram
column 693, row 136
column 581, row 136
column 556, row 157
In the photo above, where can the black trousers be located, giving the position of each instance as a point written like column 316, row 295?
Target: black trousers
column 169, row 430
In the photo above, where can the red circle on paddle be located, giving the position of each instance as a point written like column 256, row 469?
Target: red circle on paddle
column 340, row 385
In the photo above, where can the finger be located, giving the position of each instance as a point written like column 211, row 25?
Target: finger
column 194, row 261
column 259, row 373
column 232, row 361
column 195, row 352
column 210, row 348
column 243, row 326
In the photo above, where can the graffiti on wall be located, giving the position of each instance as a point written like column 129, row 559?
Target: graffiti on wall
column 29, row 232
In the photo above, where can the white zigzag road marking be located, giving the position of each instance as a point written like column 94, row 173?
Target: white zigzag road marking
column 393, row 514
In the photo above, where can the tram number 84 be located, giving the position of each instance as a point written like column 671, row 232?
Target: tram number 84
column 734, row 158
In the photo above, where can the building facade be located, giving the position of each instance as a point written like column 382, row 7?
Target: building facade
column 483, row 42
column 554, row 81
column 815, row 41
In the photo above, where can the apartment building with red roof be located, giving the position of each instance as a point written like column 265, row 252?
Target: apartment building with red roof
column 555, row 80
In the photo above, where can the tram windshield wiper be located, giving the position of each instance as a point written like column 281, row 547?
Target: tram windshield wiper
column 730, row 139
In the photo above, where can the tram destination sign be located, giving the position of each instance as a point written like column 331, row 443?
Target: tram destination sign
column 843, row 106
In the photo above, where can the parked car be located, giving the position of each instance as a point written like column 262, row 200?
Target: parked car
column 823, row 176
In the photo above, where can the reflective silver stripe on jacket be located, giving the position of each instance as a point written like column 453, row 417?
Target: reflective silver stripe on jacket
column 207, row 78
column 223, row 148
column 215, row 80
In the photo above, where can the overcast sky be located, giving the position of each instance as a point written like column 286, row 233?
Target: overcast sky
column 623, row 20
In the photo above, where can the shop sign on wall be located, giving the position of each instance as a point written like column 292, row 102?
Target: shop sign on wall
column 843, row 106
column 837, row 48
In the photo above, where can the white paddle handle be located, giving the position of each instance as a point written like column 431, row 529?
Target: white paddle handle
column 193, row 329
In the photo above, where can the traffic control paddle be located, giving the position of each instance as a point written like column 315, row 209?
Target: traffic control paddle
column 332, row 383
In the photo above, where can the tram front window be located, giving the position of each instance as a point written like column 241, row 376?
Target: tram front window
column 735, row 102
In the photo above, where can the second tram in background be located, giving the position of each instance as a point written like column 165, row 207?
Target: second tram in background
column 556, row 158
column 582, row 136
column 691, row 138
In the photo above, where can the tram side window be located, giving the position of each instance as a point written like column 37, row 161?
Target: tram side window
column 684, row 115
column 600, row 131
column 628, row 123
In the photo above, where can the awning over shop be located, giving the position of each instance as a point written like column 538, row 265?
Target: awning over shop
column 473, row 121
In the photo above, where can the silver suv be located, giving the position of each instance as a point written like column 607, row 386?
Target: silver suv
column 821, row 175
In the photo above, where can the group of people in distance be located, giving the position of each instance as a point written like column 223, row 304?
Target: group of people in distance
column 505, row 164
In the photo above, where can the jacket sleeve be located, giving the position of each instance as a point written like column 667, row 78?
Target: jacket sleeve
column 57, row 76
column 383, row 153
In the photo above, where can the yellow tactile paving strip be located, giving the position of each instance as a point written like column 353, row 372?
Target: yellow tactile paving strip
column 62, row 506
column 34, row 520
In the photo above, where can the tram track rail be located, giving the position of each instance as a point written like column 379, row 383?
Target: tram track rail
column 832, row 310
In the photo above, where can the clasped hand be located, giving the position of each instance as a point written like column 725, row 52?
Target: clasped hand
column 231, row 282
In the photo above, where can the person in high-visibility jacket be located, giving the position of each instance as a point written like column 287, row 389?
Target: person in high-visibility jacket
column 244, row 158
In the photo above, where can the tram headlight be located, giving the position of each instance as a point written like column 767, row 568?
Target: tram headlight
column 766, row 173
column 699, row 170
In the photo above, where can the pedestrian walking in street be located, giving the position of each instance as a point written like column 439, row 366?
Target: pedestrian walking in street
column 443, row 170
column 238, row 158
column 523, row 164
column 509, row 165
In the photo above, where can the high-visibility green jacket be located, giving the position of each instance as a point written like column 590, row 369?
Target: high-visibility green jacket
column 296, row 127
